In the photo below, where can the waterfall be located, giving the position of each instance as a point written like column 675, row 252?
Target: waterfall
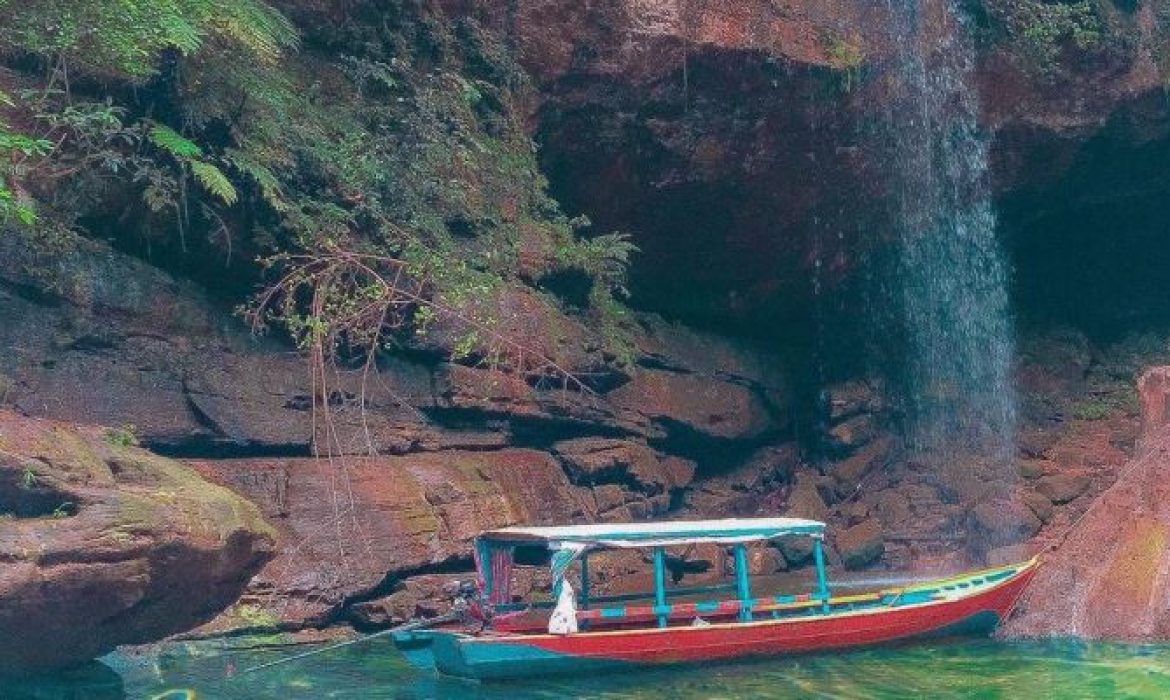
column 950, row 276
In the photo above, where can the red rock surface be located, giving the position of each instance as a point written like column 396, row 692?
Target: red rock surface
column 348, row 524
column 102, row 544
column 1109, row 577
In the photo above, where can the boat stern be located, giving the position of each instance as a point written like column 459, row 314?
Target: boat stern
column 418, row 647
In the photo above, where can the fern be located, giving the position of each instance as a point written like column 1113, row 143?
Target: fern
column 215, row 182
column 174, row 143
column 187, row 152
column 254, row 25
column 126, row 38
column 270, row 188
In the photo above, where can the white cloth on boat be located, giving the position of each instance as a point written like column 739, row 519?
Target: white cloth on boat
column 564, row 616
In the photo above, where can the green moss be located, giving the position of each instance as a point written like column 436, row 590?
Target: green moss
column 121, row 437
column 846, row 55
column 1121, row 400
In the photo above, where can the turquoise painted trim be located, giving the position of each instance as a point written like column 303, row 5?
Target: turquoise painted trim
column 822, row 577
column 417, row 647
column 613, row 612
column 660, row 583
column 461, row 656
column 743, row 583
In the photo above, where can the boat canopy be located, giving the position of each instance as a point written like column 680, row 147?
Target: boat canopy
column 495, row 549
column 655, row 534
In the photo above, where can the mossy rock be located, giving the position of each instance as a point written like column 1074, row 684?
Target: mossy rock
column 107, row 544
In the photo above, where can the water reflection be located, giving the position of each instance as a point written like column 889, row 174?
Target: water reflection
column 966, row 669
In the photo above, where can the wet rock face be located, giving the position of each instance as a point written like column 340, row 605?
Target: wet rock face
column 103, row 543
column 349, row 525
column 1109, row 578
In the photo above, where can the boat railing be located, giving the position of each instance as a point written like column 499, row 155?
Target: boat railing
column 619, row 598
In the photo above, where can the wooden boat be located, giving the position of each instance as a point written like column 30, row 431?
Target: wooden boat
column 508, row 640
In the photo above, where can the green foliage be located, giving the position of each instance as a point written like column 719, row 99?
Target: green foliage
column 215, row 182
column 386, row 168
column 125, row 38
column 1037, row 31
column 1046, row 26
column 189, row 154
column 15, row 150
column 173, row 143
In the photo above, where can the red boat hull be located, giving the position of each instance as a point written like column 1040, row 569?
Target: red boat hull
column 518, row 655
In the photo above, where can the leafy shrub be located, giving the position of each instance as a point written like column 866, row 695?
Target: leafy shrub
column 385, row 164
column 1038, row 31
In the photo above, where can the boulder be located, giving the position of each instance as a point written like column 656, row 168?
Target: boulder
column 849, row 474
column 965, row 478
column 860, row 545
column 805, row 501
column 698, row 404
column 796, row 551
column 854, row 398
column 1062, row 487
column 593, row 460
column 1040, row 504
column 892, row 508
column 765, row 560
column 1033, row 468
column 1035, row 443
column 418, row 596
column 1001, row 522
column 850, row 434
column 103, row 543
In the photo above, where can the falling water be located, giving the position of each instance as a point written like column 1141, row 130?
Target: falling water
column 951, row 273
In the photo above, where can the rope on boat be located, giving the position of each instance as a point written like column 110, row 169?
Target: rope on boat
column 418, row 624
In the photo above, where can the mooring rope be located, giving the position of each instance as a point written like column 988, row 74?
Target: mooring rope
column 449, row 617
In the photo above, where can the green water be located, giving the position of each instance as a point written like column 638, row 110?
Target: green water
column 969, row 669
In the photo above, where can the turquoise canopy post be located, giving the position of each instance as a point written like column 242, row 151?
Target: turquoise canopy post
column 822, row 577
column 660, row 585
column 584, row 582
column 743, row 583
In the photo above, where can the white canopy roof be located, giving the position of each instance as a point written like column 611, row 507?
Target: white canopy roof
column 657, row 534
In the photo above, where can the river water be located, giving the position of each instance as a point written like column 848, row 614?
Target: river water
column 981, row 668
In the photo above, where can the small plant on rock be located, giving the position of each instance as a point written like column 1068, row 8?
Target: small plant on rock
column 121, row 437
